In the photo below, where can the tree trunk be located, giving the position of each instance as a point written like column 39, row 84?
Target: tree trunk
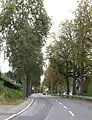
column 29, row 88
column 56, row 87
column 53, row 89
column 25, row 86
column 74, row 86
column 68, row 87
column 29, row 85
column 50, row 87
column 81, row 90
column 60, row 87
column 74, row 83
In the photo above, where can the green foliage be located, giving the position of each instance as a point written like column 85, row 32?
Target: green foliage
column 2, row 98
column 11, row 93
column 2, row 88
column 25, row 25
column 89, row 90
column 72, row 53
column 9, row 83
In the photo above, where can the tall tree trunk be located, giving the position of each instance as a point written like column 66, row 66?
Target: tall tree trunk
column 60, row 86
column 56, row 86
column 29, row 85
column 53, row 89
column 74, row 83
column 50, row 87
column 25, row 86
column 68, row 87
column 29, row 88
column 67, row 79
column 81, row 90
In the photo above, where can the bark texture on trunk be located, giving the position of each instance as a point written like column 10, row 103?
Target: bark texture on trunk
column 25, row 86
column 56, row 87
column 81, row 92
column 74, row 84
column 29, row 85
column 29, row 88
column 60, row 85
column 68, row 87
column 49, row 87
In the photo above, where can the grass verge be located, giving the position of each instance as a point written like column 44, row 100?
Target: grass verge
column 11, row 97
column 11, row 93
column 78, row 99
column 81, row 99
column 12, row 101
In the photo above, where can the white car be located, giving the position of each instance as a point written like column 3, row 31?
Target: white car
column 65, row 93
column 70, row 93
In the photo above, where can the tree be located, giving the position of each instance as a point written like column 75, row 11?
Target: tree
column 52, row 79
column 25, row 25
column 83, row 31
column 72, row 52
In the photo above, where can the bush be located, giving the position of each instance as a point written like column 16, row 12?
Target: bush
column 11, row 93
column 2, row 88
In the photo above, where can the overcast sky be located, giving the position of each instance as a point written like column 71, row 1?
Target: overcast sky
column 58, row 10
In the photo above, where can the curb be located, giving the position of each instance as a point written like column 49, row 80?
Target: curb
column 16, row 114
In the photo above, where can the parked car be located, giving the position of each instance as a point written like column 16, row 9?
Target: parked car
column 65, row 93
column 44, row 93
column 70, row 93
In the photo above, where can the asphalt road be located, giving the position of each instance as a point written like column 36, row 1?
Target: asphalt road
column 46, row 107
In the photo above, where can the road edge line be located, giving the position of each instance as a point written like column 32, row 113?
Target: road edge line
column 18, row 113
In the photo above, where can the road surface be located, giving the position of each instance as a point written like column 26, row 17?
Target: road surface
column 46, row 107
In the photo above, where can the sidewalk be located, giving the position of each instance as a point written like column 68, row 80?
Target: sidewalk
column 8, row 110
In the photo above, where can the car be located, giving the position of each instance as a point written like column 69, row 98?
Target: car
column 65, row 93
column 44, row 93
column 70, row 93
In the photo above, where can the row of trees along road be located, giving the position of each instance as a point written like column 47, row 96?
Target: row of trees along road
column 24, row 27
column 71, row 55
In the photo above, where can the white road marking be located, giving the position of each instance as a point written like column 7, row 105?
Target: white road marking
column 71, row 113
column 60, row 103
column 14, row 115
column 65, row 107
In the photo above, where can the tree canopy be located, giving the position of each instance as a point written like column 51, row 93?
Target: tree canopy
column 25, row 25
column 72, row 52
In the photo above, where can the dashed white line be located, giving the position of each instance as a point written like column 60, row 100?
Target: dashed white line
column 60, row 103
column 65, row 107
column 71, row 113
